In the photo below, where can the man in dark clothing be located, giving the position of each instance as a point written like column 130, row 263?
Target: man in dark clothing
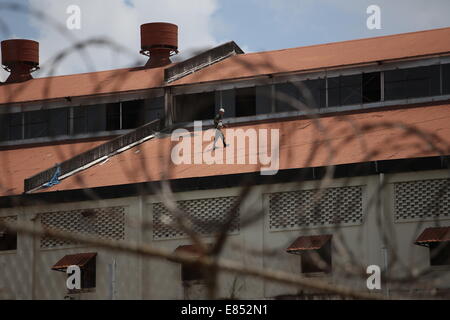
column 218, row 125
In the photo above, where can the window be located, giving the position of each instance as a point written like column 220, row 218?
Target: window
column 8, row 240
column 345, row 90
column 287, row 95
column 154, row 109
column 245, row 102
column 446, row 78
column 371, row 87
column 58, row 122
column 191, row 272
column 309, row 92
column 440, row 253
column 314, row 251
column 11, row 126
column 113, row 116
column 317, row 260
column 133, row 114
column 196, row 106
column 412, row 82
column 36, row 124
column 87, row 264
column 89, row 119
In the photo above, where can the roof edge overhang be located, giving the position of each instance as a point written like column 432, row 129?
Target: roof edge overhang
column 228, row 181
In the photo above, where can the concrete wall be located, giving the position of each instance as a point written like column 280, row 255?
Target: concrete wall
column 26, row 274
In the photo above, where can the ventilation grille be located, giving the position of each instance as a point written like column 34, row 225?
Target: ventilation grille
column 300, row 209
column 106, row 223
column 422, row 199
column 9, row 219
column 206, row 215
column 201, row 61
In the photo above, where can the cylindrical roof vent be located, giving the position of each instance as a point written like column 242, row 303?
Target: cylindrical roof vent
column 159, row 40
column 20, row 57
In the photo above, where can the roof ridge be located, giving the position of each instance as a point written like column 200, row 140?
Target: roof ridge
column 347, row 41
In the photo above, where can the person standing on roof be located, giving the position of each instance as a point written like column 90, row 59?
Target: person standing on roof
column 218, row 125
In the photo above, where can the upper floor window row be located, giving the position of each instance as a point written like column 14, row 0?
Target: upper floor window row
column 80, row 120
column 332, row 91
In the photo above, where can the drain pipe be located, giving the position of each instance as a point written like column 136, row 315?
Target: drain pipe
column 384, row 249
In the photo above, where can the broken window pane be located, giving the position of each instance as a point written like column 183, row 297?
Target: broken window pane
column 412, row 82
column 245, row 102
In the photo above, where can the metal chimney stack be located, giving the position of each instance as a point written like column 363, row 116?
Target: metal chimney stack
column 20, row 57
column 159, row 40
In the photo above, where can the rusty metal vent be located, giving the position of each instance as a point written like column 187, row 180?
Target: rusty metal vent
column 105, row 223
column 201, row 61
column 432, row 235
column 308, row 243
column 79, row 259
column 95, row 154
column 206, row 215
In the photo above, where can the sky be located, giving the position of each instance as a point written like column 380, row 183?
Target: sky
column 255, row 25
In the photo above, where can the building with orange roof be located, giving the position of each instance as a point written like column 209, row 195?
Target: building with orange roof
column 356, row 134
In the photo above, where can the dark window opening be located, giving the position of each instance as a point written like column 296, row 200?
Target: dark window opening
column 440, row 253
column 58, row 122
column 196, row 106
column 36, row 124
column 345, row 90
column 412, row 82
column 446, row 78
column 245, row 102
column 154, row 110
column 286, row 95
column 113, row 116
column 311, row 93
column 8, row 240
column 133, row 114
column 11, row 126
column 317, row 260
column 87, row 119
column 190, row 272
column 371, row 87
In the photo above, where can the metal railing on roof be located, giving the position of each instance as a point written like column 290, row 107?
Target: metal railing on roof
column 83, row 159
column 201, row 61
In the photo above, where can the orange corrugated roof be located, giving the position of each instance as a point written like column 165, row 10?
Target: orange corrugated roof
column 353, row 138
column 415, row 44
column 83, row 84
column 21, row 163
column 328, row 55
